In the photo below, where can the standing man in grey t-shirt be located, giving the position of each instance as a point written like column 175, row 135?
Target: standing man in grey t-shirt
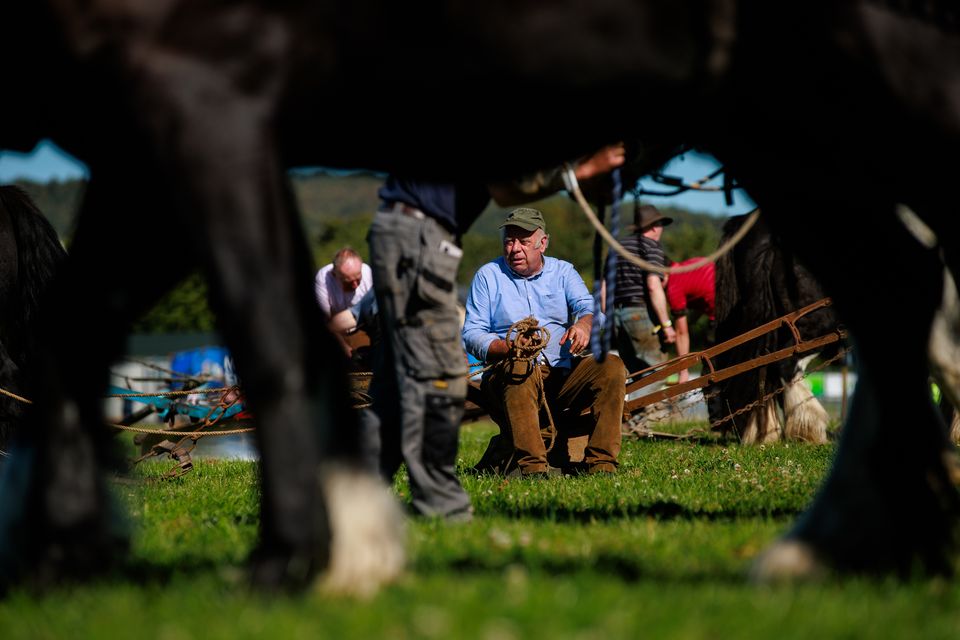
column 641, row 316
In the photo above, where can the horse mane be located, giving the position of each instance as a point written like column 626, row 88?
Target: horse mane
column 760, row 280
column 727, row 297
column 39, row 254
column 745, row 299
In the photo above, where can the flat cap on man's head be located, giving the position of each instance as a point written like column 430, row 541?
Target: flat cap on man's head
column 525, row 218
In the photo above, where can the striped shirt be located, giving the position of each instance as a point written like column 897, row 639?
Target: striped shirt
column 631, row 282
column 693, row 290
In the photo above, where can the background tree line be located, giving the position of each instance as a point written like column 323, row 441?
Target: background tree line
column 336, row 210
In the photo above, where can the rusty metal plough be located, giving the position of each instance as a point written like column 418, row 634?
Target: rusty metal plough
column 661, row 372
column 187, row 422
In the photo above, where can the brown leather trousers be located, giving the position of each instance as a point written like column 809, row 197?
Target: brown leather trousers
column 513, row 396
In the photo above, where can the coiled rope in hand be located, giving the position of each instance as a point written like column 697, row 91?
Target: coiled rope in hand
column 526, row 339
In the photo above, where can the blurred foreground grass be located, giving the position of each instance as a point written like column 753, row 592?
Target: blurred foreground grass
column 659, row 550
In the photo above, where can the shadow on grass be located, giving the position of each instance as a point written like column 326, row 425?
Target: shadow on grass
column 619, row 566
column 661, row 510
column 137, row 572
column 149, row 572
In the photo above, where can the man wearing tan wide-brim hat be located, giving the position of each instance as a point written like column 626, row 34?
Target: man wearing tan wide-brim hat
column 641, row 317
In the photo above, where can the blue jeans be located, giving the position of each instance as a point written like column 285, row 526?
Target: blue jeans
column 639, row 347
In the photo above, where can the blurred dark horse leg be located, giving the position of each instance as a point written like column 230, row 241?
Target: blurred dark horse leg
column 944, row 348
column 197, row 111
column 64, row 526
column 222, row 155
column 9, row 369
column 56, row 519
column 30, row 254
column 260, row 274
column 888, row 504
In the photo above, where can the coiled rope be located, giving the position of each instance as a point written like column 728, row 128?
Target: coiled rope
column 526, row 340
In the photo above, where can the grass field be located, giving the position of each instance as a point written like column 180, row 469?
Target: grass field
column 659, row 550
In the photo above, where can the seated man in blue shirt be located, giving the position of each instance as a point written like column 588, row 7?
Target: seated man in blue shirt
column 521, row 283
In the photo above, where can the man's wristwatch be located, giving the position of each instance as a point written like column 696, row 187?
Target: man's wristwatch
column 660, row 327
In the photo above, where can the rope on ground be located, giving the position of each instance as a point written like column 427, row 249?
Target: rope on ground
column 173, row 432
column 155, row 394
column 187, row 442
column 173, row 394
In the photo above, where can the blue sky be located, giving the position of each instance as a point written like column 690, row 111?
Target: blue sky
column 693, row 167
column 48, row 162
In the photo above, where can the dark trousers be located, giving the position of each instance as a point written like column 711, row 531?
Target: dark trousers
column 419, row 382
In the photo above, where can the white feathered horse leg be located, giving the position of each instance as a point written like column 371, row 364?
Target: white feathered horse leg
column 805, row 417
column 763, row 424
column 367, row 529
column 888, row 505
column 944, row 349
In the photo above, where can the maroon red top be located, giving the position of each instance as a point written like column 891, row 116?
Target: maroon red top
column 693, row 290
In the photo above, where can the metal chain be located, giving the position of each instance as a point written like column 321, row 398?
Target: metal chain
column 775, row 392
column 634, row 427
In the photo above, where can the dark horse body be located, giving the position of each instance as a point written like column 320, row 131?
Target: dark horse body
column 202, row 105
column 758, row 281
column 30, row 253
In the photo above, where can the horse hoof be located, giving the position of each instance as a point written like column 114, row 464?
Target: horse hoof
column 368, row 530
column 788, row 560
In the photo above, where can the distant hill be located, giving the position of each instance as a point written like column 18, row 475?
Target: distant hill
column 322, row 195
column 322, row 198
column 337, row 210
column 330, row 204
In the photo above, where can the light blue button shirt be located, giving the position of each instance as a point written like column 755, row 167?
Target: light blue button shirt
column 556, row 296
